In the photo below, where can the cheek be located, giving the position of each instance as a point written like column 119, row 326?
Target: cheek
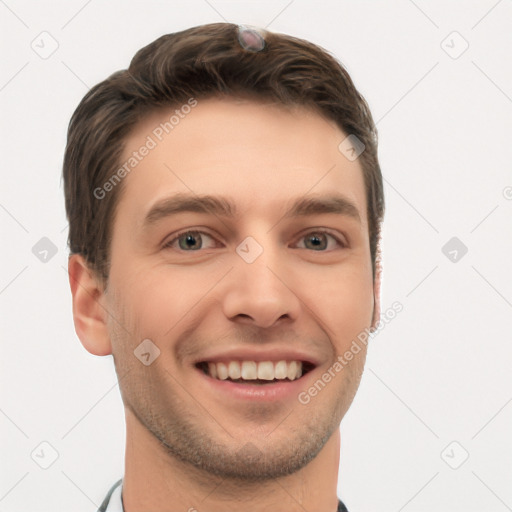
column 158, row 299
column 344, row 301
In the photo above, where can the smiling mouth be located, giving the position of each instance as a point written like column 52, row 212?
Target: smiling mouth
column 253, row 372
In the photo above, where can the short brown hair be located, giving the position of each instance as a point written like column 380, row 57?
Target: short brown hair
column 204, row 61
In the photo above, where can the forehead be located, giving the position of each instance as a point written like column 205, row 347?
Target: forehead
column 258, row 154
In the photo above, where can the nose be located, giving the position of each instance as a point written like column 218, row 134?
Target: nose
column 261, row 293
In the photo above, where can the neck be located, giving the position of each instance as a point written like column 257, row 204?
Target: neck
column 155, row 480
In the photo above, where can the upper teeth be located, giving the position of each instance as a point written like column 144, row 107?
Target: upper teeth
column 252, row 370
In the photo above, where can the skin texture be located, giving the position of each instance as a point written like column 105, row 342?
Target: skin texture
column 187, row 446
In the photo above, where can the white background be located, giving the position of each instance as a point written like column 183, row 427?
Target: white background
column 439, row 372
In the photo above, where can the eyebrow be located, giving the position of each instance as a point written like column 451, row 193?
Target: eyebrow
column 223, row 207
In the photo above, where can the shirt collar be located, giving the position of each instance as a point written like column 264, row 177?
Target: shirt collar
column 113, row 502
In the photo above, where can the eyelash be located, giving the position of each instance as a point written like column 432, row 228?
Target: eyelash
column 168, row 244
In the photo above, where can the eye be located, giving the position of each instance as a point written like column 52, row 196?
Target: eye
column 193, row 240
column 188, row 241
column 319, row 240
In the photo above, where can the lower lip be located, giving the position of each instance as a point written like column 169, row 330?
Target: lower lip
column 280, row 390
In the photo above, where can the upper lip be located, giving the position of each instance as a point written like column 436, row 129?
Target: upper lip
column 268, row 354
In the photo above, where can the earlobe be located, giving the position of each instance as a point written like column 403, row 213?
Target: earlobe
column 89, row 313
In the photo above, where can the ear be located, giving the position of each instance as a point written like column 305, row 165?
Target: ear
column 376, row 295
column 89, row 313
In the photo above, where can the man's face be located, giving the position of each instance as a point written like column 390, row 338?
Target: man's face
column 260, row 286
